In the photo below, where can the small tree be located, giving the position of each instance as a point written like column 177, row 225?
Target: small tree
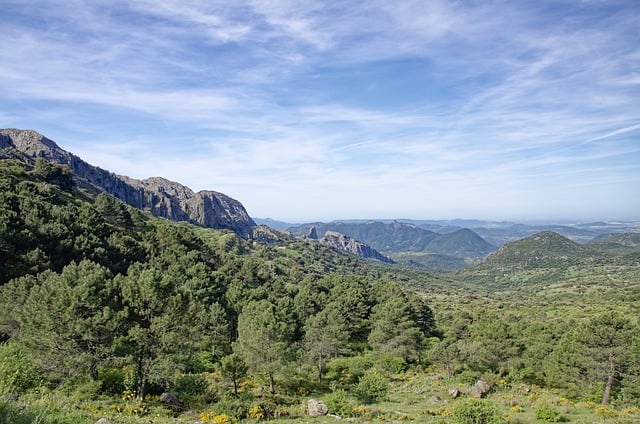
column 234, row 368
column 394, row 331
column 325, row 336
column 263, row 339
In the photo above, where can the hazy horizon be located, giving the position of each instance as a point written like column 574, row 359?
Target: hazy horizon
column 518, row 111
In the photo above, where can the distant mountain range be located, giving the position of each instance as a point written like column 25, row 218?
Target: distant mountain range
column 404, row 237
column 436, row 244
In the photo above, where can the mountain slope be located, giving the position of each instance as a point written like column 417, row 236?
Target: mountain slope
column 545, row 249
column 163, row 198
column 550, row 262
column 463, row 243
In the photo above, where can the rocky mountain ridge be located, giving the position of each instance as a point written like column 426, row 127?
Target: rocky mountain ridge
column 343, row 242
column 163, row 198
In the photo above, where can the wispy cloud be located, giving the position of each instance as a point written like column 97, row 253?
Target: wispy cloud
column 370, row 106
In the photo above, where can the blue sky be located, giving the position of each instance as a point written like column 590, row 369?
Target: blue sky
column 313, row 110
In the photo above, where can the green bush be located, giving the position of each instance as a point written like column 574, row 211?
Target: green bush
column 347, row 370
column 476, row 411
column 547, row 413
column 190, row 385
column 112, row 381
column 14, row 413
column 389, row 363
column 339, row 403
column 371, row 388
column 17, row 373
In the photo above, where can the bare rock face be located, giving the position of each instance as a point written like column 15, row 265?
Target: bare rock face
column 312, row 234
column 351, row 245
column 317, row 408
column 163, row 198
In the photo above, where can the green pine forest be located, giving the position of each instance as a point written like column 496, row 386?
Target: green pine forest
column 105, row 308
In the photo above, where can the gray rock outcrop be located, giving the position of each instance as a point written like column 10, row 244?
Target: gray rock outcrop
column 353, row 246
column 312, row 234
column 480, row 389
column 316, row 408
column 163, row 198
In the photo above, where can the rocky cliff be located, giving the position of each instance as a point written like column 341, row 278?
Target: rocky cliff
column 343, row 242
column 163, row 198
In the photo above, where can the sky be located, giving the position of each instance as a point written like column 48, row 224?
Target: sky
column 322, row 110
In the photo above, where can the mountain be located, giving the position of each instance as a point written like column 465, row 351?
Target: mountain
column 542, row 250
column 395, row 237
column 163, row 198
column 273, row 223
column 617, row 240
column 462, row 243
column 346, row 243
column 391, row 237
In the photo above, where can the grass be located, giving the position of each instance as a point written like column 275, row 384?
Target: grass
column 412, row 399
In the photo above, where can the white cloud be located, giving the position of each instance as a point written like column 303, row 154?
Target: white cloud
column 275, row 95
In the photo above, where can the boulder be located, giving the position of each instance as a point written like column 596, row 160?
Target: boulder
column 454, row 393
column 480, row 389
column 434, row 399
column 317, row 408
column 170, row 399
column 103, row 421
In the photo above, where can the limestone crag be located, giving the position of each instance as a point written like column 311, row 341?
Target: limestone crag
column 351, row 245
column 163, row 198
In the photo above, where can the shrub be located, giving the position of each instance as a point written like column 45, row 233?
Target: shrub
column 17, row 373
column 190, row 385
column 112, row 381
column 604, row 412
column 339, row 403
column 546, row 412
column 371, row 388
column 347, row 370
column 476, row 411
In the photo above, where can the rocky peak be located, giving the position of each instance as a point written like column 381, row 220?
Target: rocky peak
column 313, row 233
column 163, row 198
column 340, row 241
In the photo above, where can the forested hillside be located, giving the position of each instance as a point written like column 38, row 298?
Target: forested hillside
column 106, row 311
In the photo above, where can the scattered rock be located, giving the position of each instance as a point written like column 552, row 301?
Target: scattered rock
column 434, row 399
column 480, row 389
column 454, row 393
column 317, row 408
column 103, row 421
